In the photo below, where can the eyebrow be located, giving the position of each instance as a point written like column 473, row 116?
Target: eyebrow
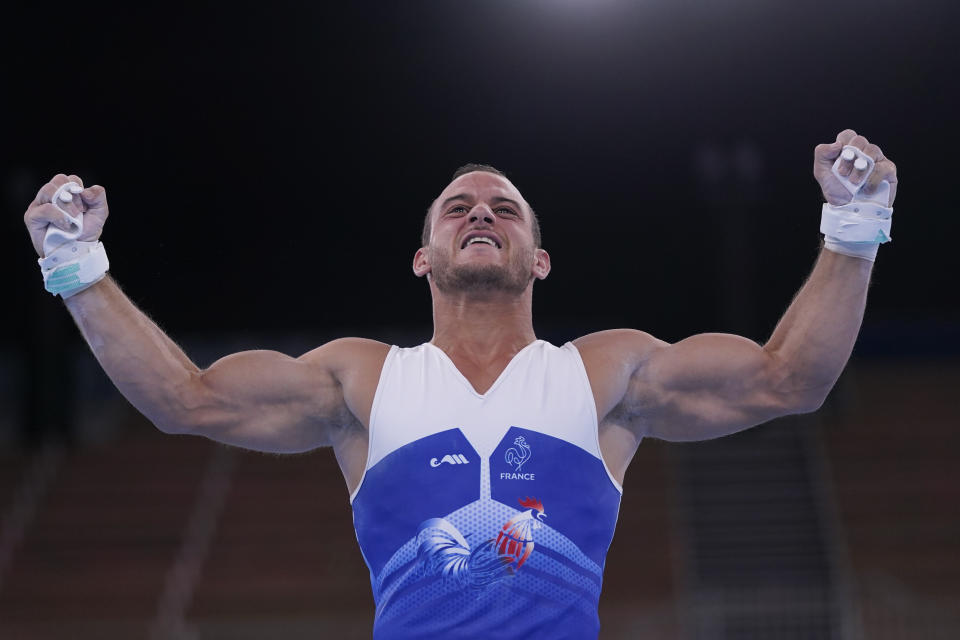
column 494, row 200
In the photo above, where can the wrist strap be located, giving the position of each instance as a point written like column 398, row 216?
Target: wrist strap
column 856, row 229
column 73, row 267
column 856, row 222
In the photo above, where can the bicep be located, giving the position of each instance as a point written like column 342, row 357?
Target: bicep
column 707, row 386
column 264, row 400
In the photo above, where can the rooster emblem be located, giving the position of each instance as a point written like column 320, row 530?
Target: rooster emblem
column 443, row 549
column 515, row 539
column 518, row 455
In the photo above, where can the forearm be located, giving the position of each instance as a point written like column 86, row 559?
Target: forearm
column 148, row 368
column 815, row 337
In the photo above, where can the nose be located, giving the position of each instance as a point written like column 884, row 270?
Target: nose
column 482, row 212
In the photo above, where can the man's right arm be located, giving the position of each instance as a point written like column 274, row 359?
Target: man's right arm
column 259, row 400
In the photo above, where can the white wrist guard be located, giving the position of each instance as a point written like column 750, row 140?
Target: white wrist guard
column 69, row 265
column 73, row 267
column 858, row 228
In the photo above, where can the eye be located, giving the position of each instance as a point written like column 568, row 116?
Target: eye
column 506, row 211
column 458, row 210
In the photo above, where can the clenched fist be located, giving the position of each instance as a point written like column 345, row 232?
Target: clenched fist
column 824, row 155
column 91, row 202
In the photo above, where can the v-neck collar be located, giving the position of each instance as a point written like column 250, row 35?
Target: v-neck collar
column 467, row 383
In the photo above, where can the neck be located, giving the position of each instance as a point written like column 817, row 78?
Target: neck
column 483, row 328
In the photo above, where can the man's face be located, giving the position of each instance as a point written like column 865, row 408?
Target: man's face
column 481, row 239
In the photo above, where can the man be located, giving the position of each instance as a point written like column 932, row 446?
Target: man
column 485, row 466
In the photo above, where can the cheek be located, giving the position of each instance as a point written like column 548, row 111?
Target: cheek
column 438, row 255
column 442, row 234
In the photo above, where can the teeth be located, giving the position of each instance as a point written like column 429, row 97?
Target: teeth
column 487, row 240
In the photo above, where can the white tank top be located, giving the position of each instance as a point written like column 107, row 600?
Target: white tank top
column 479, row 510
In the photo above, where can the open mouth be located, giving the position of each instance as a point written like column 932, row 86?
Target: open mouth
column 477, row 239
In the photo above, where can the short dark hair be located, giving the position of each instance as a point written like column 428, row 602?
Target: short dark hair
column 470, row 168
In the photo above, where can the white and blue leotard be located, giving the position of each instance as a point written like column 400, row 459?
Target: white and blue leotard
column 485, row 516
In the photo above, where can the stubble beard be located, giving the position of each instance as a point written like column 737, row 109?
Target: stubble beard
column 512, row 278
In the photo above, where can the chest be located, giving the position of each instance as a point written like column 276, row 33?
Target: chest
column 439, row 448
column 425, row 392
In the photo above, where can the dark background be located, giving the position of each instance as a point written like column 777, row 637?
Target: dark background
column 268, row 164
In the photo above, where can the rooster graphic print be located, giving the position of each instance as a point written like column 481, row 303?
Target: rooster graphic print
column 518, row 455
column 467, row 550
column 442, row 549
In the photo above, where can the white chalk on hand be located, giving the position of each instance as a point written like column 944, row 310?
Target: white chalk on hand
column 860, row 164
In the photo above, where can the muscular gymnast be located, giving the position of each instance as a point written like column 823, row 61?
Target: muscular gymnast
column 485, row 466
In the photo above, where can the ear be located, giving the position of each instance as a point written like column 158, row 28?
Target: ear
column 421, row 265
column 541, row 264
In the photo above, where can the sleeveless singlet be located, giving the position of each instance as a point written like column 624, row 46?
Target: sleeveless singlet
column 485, row 516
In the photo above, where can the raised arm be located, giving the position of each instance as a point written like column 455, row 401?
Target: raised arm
column 711, row 385
column 259, row 400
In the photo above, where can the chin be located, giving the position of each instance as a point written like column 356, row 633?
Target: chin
column 480, row 278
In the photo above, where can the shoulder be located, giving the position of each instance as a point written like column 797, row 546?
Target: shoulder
column 353, row 366
column 346, row 357
column 611, row 359
column 618, row 347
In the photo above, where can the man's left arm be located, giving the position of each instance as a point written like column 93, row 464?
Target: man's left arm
column 712, row 385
